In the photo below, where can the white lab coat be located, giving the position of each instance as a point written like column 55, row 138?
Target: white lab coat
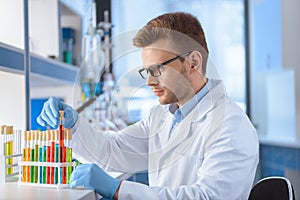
column 212, row 154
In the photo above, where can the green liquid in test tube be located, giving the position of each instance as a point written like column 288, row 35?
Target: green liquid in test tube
column 69, row 153
column 36, row 155
column 32, row 157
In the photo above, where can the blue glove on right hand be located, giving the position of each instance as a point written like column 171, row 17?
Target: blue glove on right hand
column 50, row 115
column 91, row 176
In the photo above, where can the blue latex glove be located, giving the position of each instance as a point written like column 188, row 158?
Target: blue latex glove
column 90, row 176
column 50, row 115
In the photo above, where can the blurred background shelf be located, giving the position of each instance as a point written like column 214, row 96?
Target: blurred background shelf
column 44, row 71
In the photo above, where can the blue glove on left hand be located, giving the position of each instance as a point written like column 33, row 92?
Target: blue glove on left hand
column 90, row 176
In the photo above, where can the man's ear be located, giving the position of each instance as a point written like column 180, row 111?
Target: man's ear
column 196, row 60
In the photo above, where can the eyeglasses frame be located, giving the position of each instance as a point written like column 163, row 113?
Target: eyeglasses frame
column 158, row 66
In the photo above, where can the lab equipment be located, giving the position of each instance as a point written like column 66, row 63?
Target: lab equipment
column 40, row 158
column 62, row 148
column 52, row 155
column 68, row 139
column 96, row 80
column 93, row 60
column 10, row 153
column 32, row 155
column 24, row 176
column 44, row 143
column 91, row 176
column 48, row 161
column 68, row 45
column 48, row 158
column 28, row 150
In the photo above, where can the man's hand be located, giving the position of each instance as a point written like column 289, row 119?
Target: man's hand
column 50, row 115
column 90, row 176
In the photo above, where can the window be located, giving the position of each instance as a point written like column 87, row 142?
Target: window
column 273, row 84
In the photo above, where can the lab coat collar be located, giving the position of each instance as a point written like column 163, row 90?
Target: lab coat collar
column 181, row 138
column 216, row 91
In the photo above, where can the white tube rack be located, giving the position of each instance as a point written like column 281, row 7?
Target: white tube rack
column 43, row 164
column 3, row 166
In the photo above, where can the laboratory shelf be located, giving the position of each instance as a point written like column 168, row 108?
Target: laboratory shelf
column 12, row 60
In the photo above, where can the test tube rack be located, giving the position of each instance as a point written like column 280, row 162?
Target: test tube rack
column 47, row 159
column 10, row 153
column 58, row 166
column 11, row 177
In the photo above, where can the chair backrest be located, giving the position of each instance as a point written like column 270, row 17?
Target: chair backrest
column 272, row 188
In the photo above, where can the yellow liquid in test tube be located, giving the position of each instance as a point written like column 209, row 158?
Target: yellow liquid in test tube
column 9, row 148
column 8, row 161
column 25, row 156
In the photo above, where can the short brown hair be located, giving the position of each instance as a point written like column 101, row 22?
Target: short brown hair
column 181, row 28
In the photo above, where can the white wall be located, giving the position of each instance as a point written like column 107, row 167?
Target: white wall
column 291, row 47
column 12, row 102
column 12, row 23
column 44, row 27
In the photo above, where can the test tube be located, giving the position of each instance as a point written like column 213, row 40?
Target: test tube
column 32, row 156
column 44, row 156
column 36, row 155
column 48, row 153
column 24, row 174
column 40, row 159
column 56, row 155
column 28, row 155
column 69, row 153
column 8, row 131
column 17, row 147
column 52, row 156
column 2, row 141
column 62, row 146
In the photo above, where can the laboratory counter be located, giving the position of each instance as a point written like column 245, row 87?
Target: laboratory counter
column 11, row 190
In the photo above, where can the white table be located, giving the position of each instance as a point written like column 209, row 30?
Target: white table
column 11, row 190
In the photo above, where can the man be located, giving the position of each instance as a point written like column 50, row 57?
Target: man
column 196, row 145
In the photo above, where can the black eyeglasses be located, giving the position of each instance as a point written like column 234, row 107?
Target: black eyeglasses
column 154, row 70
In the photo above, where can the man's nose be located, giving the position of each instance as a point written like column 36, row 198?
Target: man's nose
column 151, row 80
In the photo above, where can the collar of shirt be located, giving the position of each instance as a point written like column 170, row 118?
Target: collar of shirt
column 180, row 113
